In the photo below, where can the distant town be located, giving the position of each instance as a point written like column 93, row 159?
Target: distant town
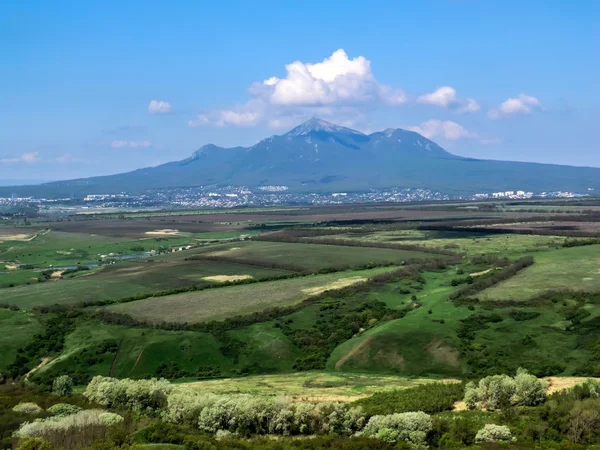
column 235, row 196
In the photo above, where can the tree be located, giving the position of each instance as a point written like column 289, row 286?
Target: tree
column 63, row 386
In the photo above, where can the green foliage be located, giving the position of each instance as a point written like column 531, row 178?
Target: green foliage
column 62, row 385
column 412, row 427
column 34, row 443
column 27, row 408
column 429, row 398
column 137, row 395
column 491, row 434
column 501, row 391
column 64, row 409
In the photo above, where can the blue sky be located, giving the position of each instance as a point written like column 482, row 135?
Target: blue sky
column 89, row 88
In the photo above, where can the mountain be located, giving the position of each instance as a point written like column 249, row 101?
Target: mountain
column 318, row 156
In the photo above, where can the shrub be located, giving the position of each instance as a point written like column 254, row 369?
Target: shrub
column 137, row 395
column 501, row 391
column 184, row 406
column 63, row 386
column 411, row 427
column 34, row 444
column 73, row 431
column 494, row 433
column 529, row 390
column 110, row 419
column 430, row 398
column 27, row 408
column 64, row 409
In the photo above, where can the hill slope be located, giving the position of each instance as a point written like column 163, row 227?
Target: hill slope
column 321, row 157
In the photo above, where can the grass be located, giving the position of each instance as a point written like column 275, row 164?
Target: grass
column 469, row 243
column 16, row 330
column 419, row 344
column 576, row 268
column 218, row 304
column 56, row 248
column 140, row 352
column 313, row 256
column 308, row 386
column 127, row 278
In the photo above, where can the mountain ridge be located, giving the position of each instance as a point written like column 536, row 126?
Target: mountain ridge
column 318, row 156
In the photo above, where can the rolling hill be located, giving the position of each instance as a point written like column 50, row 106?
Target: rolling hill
column 318, row 156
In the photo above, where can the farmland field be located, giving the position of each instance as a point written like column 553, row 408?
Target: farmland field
column 218, row 304
column 575, row 268
column 471, row 243
column 129, row 278
column 408, row 324
column 313, row 256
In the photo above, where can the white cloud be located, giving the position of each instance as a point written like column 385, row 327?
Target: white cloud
column 443, row 96
column 336, row 82
column 241, row 116
column 337, row 79
column 523, row 104
column 122, row 143
column 469, row 106
column 446, row 97
column 24, row 158
column 159, row 107
column 447, row 129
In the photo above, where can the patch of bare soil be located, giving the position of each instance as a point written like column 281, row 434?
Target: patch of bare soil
column 556, row 384
column 165, row 232
column 339, row 284
column 327, row 398
column 224, row 252
column 225, row 278
column 443, row 353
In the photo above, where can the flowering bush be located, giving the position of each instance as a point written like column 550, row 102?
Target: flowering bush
column 494, row 433
column 27, row 408
column 411, row 427
column 498, row 391
column 63, row 409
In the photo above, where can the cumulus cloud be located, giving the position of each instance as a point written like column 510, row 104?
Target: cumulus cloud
column 336, row 82
column 159, row 107
column 446, row 97
column 446, row 129
column 523, row 104
column 23, row 158
column 122, row 143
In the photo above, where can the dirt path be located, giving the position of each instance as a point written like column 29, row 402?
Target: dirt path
column 43, row 362
column 112, row 366
column 137, row 360
column 353, row 352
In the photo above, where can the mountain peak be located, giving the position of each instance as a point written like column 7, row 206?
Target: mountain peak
column 318, row 125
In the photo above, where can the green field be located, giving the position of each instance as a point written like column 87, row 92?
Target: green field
column 55, row 248
column 308, row 386
column 218, row 304
column 464, row 242
column 16, row 330
column 576, row 268
column 313, row 256
column 128, row 278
